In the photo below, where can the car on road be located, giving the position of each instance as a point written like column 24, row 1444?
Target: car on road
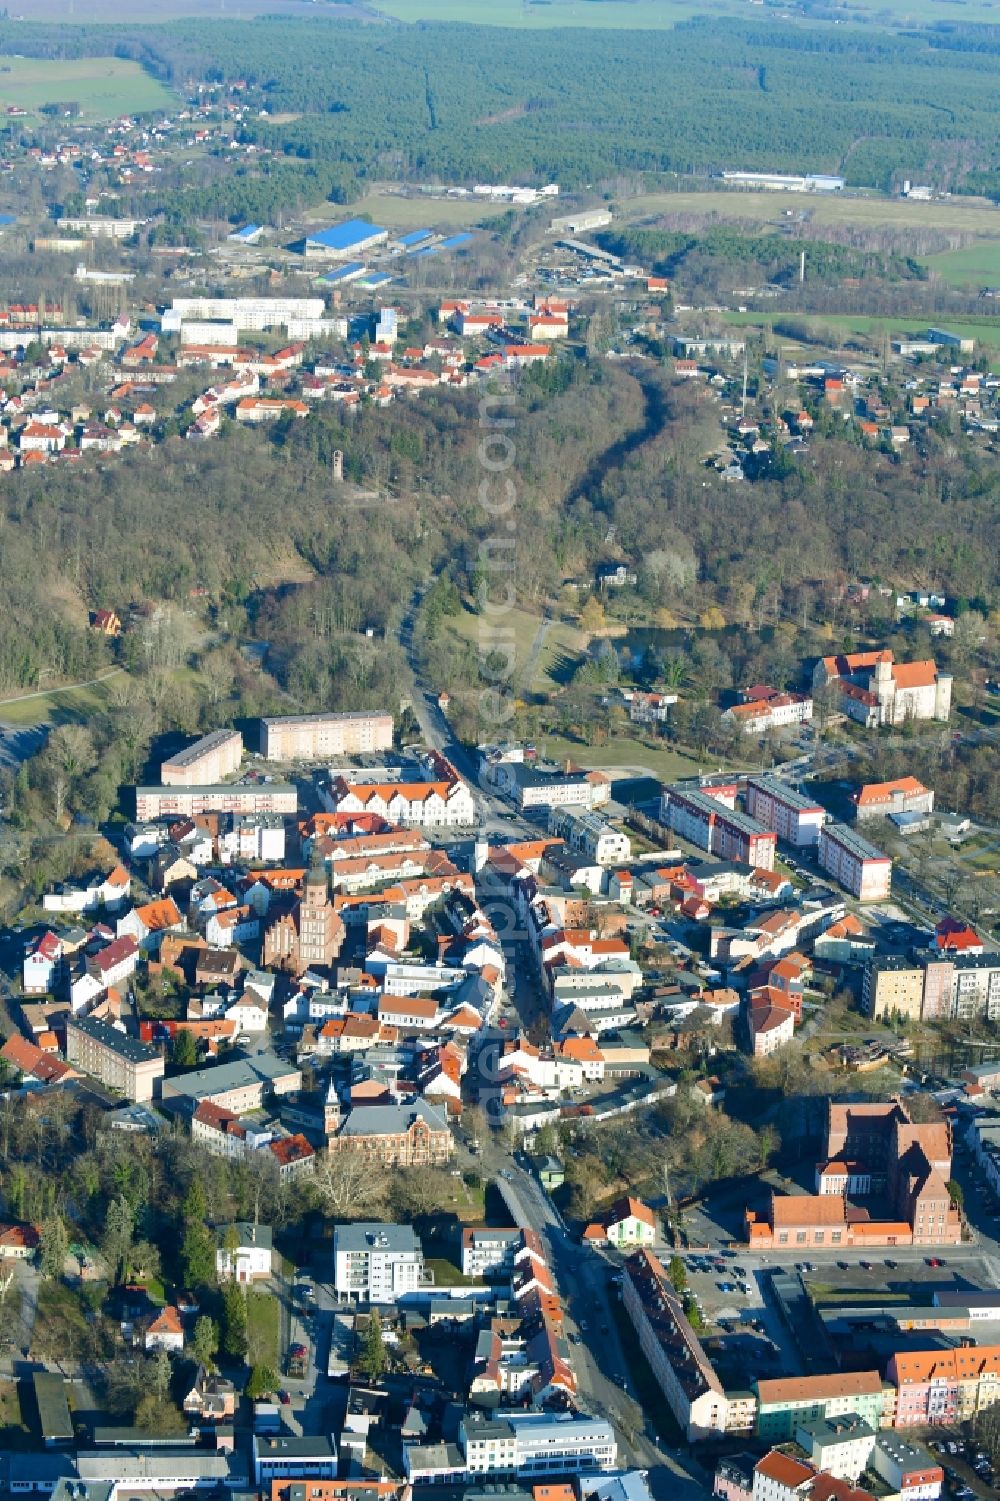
column 844, row 1265
column 506, row 1174
column 284, row 1398
column 892, row 1265
column 866, row 1266
column 934, row 1261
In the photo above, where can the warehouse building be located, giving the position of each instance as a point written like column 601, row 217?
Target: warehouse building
column 343, row 242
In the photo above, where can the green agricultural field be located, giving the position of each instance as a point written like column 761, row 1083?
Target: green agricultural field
column 628, row 15
column 656, row 15
column 976, row 266
column 89, row 12
column 986, row 331
column 866, row 211
column 103, row 87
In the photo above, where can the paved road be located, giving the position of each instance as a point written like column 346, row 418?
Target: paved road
column 601, row 1367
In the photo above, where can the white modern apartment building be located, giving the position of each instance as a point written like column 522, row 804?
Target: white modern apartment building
column 314, row 737
column 376, row 1263
column 254, row 314
column 591, row 835
column 489, row 1253
column 536, row 1444
column 779, row 807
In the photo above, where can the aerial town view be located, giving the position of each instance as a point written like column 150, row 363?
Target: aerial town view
column 500, row 750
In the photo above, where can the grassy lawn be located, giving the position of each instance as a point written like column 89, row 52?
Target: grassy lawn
column 14, row 1431
column 985, row 331
column 103, row 87
column 61, row 1326
column 421, row 211
column 662, row 761
column 537, row 671
column 57, row 705
column 446, row 1274
column 263, row 1326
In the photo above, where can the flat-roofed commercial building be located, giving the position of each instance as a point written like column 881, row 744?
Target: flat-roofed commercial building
column 208, row 760
column 854, row 863
column 121, row 1062
column 316, row 737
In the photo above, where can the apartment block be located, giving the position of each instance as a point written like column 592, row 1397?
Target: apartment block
column 893, row 986
column 683, row 1371
column 122, row 1063
column 376, row 1263
column 208, row 760
column 319, row 737
column 786, row 812
column 784, row 1404
column 935, row 1387
column 489, row 1253
column 854, row 863
column 708, row 818
column 231, row 797
column 591, row 835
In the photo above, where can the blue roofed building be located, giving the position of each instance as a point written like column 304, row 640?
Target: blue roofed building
column 413, row 238
column 340, row 275
column 248, row 235
column 344, row 241
column 453, row 242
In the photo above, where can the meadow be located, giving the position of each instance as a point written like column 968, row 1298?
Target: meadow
column 418, row 212
column 985, row 330
column 546, row 651
column 970, row 215
column 657, row 15
column 977, row 265
column 103, row 87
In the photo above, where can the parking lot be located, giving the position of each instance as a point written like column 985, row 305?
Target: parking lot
column 743, row 1328
column 967, row 1468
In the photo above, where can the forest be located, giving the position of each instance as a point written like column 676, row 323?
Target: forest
column 440, row 101
column 249, row 540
